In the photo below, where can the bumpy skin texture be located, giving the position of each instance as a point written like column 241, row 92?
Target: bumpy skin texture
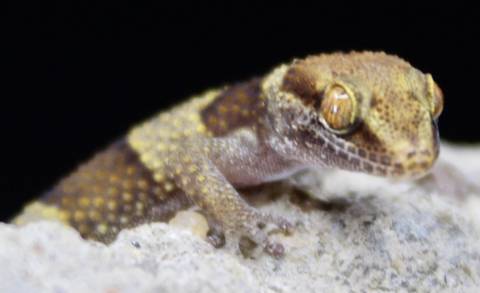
column 367, row 112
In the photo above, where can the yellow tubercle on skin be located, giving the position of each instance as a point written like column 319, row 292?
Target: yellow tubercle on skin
column 37, row 211
column 84, row 201
column 102, row 228
column 79, row 216
column 111, row 192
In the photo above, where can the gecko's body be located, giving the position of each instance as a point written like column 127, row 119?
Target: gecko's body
column 367, row 112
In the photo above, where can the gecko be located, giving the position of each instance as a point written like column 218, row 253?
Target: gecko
column 367, row 112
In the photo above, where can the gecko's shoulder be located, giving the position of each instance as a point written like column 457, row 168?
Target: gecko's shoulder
column 215, row 113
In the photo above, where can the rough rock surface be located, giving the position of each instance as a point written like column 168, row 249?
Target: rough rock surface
column 367, row 235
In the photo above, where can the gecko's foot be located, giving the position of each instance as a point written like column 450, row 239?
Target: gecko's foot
column 258, row 229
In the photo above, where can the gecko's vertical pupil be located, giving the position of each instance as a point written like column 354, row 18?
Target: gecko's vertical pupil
column 338, row 108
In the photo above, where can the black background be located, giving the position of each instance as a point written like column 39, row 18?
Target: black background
column 76, row 75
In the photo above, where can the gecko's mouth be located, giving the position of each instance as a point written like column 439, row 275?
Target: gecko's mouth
column 405, row 159
column 408, row 162
column 409, row 165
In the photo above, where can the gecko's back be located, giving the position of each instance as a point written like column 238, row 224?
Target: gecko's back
column 114, row 189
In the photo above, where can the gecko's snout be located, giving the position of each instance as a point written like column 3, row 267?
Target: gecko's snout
column 414, row 161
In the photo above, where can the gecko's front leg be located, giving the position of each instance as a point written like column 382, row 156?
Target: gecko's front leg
column 196, row 167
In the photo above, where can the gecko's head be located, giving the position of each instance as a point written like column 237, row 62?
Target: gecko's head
column 368, row 112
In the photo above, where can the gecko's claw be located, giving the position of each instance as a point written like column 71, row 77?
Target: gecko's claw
column 216, row 238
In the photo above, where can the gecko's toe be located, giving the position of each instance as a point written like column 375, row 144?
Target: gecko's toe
column 285, row 226
column 259, row 231
column 274, row 249
column 251, row 249
column 274, row 225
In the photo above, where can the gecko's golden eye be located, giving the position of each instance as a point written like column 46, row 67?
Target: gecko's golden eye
column 436, row 97
column 338, row 108
column 437, row 102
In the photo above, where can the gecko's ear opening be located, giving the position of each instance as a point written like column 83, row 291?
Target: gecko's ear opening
column 338, row 109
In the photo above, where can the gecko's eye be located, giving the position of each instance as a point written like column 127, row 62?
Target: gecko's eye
column 338, row 109
column 436, row 97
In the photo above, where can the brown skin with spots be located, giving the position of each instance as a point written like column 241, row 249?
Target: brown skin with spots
column 367, row 112
column 111, row 192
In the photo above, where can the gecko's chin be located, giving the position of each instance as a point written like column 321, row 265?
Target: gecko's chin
column 405, row 173
column 408, row 176
column 396, row 171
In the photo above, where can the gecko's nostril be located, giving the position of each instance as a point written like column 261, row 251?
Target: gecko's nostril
column 411, row 154
column 412, row 161
column 425, row 153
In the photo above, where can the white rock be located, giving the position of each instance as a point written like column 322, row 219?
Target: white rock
column 385, row 236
